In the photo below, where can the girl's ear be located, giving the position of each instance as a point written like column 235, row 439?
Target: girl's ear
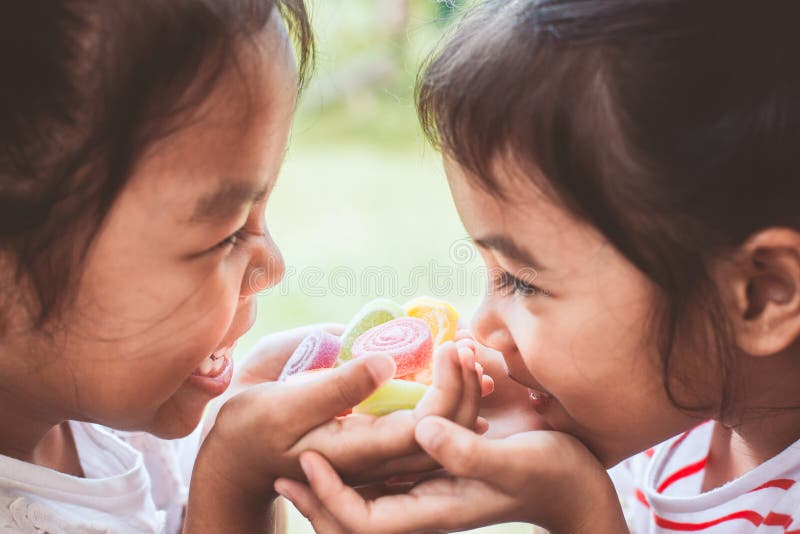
column 765, row 279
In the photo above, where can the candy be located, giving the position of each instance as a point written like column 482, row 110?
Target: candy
column 392, row 396
column 441, row 317
column 406, row 339
column 318, row 350
column 423, row 376
column 373, row 313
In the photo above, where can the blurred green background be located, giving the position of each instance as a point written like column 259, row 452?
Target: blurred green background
column 362, row 208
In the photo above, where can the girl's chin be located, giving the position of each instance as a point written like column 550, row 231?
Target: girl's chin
column 178, row 422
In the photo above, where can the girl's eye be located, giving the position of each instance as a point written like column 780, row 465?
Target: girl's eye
column 506, row 281
column 229, row 241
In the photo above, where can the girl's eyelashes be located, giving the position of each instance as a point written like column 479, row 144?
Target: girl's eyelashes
column 229, row 241
column 506, row 281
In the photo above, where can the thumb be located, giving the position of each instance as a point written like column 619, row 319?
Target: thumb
column 459, row 450
column 338, row 390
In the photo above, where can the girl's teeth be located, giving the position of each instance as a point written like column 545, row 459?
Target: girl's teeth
column 206, row 366
column 538, row 395
column 216, row 365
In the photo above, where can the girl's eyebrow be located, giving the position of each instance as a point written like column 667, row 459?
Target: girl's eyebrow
column 508, row 248
column 227, row 201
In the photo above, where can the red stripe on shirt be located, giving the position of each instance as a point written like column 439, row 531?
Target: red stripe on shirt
column 754, row 517
column 779, row 520
column 641, row 498
column 682, row 473
column 686, row 434
column 782, row 483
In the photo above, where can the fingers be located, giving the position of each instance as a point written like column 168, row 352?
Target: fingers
column 309, row 505
column 487, row 385
column 444, row 396
column 340, row 389
column 326, row 491
column 481, row 426
column 459, row 450
column 438, row 503
column 471, row 386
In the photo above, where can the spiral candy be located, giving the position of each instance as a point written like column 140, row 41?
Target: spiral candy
column 407, row 340
column 372, row 314
column 318, row 350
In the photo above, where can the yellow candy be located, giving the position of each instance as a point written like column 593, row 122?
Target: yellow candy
column 441, row 317
column 392, row 396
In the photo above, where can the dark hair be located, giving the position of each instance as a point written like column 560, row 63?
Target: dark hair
column 672, row 126
column 87, row 86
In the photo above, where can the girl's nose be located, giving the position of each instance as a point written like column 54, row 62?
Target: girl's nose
column 489, row 328
column 266, row 268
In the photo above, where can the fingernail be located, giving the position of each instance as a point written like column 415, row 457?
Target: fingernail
column 429, row 432
column 467, row 358
column 307, row 467
column 479, row 368
column 381, row 367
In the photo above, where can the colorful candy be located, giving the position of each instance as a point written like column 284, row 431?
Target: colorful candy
column 318, row 350
column 407, row 340
column 441, row 317
column 392, row 396
column 374, row 313
column 409, row 334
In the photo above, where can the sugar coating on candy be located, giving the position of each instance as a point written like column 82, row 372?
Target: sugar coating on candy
column 407, row 340
column 373, row 313
column 392, row 396
column 441, row 316
column 318, row 350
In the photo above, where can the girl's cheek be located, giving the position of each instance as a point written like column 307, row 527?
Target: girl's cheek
column 219, row 301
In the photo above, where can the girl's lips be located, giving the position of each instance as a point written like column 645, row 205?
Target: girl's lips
column 538, row 399
column 217, row 377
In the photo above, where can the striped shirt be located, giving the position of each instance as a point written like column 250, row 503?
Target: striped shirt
column 666, row 497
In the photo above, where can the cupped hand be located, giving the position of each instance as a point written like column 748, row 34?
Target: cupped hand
column 541, row 477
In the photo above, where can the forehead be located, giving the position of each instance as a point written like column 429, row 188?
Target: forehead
column 231, row 141
column 524, row 204
column 527, row 215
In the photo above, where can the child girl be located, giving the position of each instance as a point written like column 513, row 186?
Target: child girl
column 628, row 170
column 139, row 142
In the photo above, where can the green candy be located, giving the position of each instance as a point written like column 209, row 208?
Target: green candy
column 392, row 396
column 373, row 313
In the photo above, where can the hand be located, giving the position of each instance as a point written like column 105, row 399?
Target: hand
column 261, row 431
column 264, row 363
column 541, row 477
column 507, row 410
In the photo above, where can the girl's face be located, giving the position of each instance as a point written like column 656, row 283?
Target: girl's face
column 571, row 318
column 172, row 276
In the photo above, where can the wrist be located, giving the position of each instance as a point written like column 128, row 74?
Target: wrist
column 218, row 502
column 231, row 464
column 602, row 513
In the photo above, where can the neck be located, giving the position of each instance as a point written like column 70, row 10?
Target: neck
column 771, row 422
column 29, row 432
column 735, row 451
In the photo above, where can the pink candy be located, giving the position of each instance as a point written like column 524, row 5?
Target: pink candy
column 318, row 350
column 406, row 339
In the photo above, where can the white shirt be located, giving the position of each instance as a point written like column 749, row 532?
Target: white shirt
column 134, row 482
column 666, row 494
